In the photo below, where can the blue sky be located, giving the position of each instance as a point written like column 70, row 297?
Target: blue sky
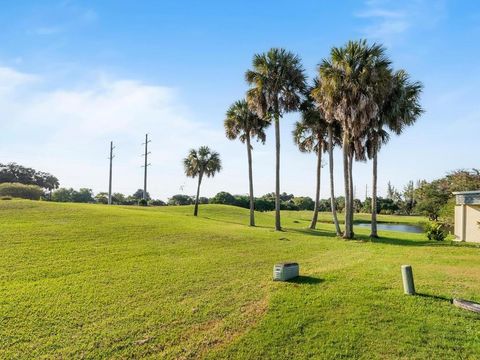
column 75, row 75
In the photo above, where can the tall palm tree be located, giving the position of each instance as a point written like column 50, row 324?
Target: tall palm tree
column 334, row 132
column 199, row 163
column 310, row 135
column 277, row 82
column 349, row 79
column 243, row 123
column 400, row 108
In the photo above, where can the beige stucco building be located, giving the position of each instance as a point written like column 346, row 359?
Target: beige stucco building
column 467, row 216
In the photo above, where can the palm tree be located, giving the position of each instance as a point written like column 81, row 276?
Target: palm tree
column 199, row 163
column 277, row 81
column 310, row 135
column 348, row 83
column 244, row 124
column 400, row 107
column 334, row 132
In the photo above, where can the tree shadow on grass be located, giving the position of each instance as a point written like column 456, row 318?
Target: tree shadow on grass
column 313, row 232
column 435, row 297
column 306, row 280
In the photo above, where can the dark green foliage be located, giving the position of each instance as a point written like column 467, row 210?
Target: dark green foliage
column 17, row 190
column 157, row 202
column 83, row 195
column 139, row 194
column 224, row 198
column 101, row 198
column 304, row 203
column 142, row 202
column 180, row 199
column 14, row 173
column 436, row 231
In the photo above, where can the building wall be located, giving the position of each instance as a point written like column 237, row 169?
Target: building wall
column 472, row 223
column 458, row 228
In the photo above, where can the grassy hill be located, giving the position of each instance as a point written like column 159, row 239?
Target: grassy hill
column 92, row 281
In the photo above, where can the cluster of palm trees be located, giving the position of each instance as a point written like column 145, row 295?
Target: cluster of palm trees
column 354, row 102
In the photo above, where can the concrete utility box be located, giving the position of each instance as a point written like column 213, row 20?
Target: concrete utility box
column 285, row 271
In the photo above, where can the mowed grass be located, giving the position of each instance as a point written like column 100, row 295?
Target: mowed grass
column 92, row 281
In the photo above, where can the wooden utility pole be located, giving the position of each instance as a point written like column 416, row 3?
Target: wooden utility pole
column 145, row 166
column 110, row 175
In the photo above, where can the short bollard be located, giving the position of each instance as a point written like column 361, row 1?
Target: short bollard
column 407, row 276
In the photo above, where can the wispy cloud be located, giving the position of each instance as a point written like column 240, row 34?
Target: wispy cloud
column 389, row 21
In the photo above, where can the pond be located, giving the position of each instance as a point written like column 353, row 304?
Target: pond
column 417, row 229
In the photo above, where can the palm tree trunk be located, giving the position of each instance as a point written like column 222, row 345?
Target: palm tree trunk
column 347, row 233
column 313, row 224
column 374, row 197
column 278, row 226
column 250, row 182
column 351, row 192
column 333, row 203
column 195, row 211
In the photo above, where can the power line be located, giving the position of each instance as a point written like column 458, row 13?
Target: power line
column 145, row 166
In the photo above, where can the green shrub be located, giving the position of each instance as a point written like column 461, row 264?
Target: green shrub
column 143, row 202
column 435, row 231
column 17, row 190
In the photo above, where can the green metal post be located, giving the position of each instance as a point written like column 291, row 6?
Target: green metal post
column 407, row 276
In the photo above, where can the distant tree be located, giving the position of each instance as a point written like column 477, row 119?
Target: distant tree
column 277, row 81
column 157, row 202
column 203, row 200
column 243, row 201
column 199, row 163
column 264, row 204
column 409, row 198
column 340, row 203
column 63, row 195
column 305, row 203
column 223, row 197
column 357, row 205
column 138, row 195
column 180, row 199
column 83, row 195
column 101, row 198
column 15, row 173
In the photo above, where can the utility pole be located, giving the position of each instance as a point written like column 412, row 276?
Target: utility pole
column 110, row 176
column 145, row 166
column 366, row 191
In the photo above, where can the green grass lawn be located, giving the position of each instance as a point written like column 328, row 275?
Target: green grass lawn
column 92, row 281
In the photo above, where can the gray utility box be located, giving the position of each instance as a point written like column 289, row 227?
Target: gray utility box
column 285, row 271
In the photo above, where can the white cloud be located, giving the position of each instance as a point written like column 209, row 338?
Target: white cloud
column 67, row 131
column 390, row 20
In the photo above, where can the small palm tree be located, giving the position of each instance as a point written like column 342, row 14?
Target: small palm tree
column 244, row 124
column 310, row 134
column 278, row 81
column 199, row 163
column 400, row 107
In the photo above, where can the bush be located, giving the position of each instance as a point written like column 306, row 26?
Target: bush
column 157, row 202
column 17, row 190
column 143, row 202
column 435, row 231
